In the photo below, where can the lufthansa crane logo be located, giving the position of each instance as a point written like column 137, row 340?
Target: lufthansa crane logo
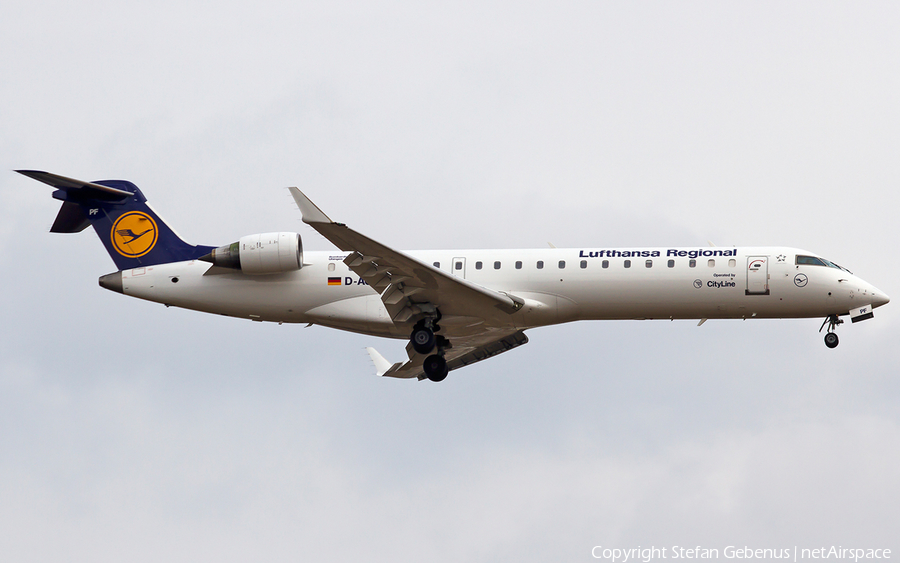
column 134, row 234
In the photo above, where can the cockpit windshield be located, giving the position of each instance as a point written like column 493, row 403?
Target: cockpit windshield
column 816, row 261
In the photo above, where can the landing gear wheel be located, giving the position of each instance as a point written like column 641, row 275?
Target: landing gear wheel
column 435, row 368
column 422, row 339
column 831, row 339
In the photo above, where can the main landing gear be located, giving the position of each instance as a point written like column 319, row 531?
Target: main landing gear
column 424, row 341
column 831, row 337
column 435, row 367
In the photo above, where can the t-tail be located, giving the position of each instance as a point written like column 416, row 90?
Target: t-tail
column 134, row 235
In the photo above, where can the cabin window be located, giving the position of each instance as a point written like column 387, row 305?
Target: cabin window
column 605, row 264
column 331, row 266
column 628, row 263
column 583, row 264
column 540, row 264
column 457, row 265
column 562, row 264
column 649, row 263
column 478, row 265
column 712, row 263
column 497, row 265
column 437, row 265
column 671, row 263
column 518, row 264
column 692, row 263
column 732, row 263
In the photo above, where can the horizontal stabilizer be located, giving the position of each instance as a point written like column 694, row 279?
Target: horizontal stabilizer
column 85, row 189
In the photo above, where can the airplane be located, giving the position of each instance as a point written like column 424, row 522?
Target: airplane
column 455, row 307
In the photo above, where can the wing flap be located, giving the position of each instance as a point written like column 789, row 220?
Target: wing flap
column 465, row 352
column 489, row 350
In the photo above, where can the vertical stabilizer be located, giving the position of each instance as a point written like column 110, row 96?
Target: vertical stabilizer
column 133, row 234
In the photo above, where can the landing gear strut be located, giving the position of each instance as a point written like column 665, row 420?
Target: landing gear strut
column 831, row 338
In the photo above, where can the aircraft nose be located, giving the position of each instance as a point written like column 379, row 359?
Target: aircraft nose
column 879, row 298
column 876, row 297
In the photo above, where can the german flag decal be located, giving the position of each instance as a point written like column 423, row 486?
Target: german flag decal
column 334, row 281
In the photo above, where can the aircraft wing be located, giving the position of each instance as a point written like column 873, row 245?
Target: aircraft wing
column 407, row 285
column 465, row 351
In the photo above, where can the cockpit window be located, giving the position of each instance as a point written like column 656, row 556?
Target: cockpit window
column 838, row 266
column 814, row 261
column 809, row 261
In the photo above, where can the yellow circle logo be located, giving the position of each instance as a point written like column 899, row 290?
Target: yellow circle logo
column 134, row 234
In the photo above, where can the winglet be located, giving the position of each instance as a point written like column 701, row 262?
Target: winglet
column 382, row 366
column 311, row 213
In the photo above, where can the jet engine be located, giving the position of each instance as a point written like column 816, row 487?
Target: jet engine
column 267, row 253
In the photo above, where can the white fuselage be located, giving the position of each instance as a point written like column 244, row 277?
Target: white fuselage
column 557, row 285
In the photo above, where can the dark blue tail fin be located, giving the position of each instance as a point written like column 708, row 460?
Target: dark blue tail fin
column 134, row 235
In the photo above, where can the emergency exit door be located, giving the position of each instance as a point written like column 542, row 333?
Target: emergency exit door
column 757, row 275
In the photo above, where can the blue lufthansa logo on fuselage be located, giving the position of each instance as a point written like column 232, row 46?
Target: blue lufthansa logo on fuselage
column 800, row 280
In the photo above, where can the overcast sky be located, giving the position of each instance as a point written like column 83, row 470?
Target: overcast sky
column 132, row 432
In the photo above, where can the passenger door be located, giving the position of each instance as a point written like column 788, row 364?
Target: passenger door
column 757, row 275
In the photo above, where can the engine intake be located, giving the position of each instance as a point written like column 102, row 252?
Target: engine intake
column 267, row 253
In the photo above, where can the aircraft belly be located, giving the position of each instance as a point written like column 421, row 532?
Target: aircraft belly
column 362, row 313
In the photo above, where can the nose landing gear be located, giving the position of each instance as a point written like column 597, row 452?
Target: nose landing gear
column 831, row 338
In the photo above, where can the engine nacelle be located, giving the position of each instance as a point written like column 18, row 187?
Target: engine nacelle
column 267, row 253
